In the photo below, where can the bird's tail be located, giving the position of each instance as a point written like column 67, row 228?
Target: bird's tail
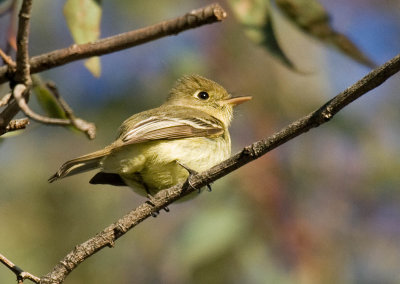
column 79, row 165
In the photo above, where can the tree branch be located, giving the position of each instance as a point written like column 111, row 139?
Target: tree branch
column 196, row 18
column 87, row 127
column 7, row 60
column 109, row 235
column 5, row 99
column 22, row 74
column 19, row 96
column 21, row 274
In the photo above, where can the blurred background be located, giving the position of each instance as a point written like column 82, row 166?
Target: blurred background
column 323, row 208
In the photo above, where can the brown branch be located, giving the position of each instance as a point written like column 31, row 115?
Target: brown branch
column 109, row 235
column 196, row 18
column 87, row 127
column 21, row 274
column 80, row 124
column 22, row 74
column 5, row 99
column 19, row 93
column 7, row 60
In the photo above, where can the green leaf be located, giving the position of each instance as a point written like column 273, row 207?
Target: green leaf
column 83, row 20
column 256, row 18
column 311, row 17
column 46, row 99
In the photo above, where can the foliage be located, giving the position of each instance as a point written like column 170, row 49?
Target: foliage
column 83, row 19
column 257, row 18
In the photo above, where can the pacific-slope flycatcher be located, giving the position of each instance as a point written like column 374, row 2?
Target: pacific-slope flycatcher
column 155, row 148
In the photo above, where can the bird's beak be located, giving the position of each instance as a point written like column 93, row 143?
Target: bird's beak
column 237, row 100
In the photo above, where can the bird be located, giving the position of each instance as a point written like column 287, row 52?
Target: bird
column 159, row 148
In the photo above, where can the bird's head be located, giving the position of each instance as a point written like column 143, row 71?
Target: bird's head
column 201, row 93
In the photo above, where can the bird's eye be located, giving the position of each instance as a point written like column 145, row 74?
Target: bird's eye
column 203, row 95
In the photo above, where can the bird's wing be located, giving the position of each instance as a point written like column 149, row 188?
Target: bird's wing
column 173, row 126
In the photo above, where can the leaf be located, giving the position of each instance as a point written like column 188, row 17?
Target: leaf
column 256, row 18
column 311, row 17
column 48, row 102
column 46, row 99
column 94, row 66
column 10, row 135
column 83, row 20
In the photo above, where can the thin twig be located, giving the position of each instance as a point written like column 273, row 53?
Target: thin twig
column 17, row 124
column 7, row 60
column 18, row 94
column 22, row 74
column 196, row 18
column 66, row 108
column 20, row 273
column 5, row 99
column 87, row 127
column 162, row 199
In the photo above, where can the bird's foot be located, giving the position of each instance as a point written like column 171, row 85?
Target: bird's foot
column 151, row 202
column 191, row 173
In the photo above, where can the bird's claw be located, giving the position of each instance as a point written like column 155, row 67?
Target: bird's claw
column 191, row 173
column 150, row 201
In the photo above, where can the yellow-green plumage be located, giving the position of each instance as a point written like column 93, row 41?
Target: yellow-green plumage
column 190, row 129
column 156, row 161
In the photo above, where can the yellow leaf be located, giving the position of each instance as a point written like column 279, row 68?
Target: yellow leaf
column 83, row 20
column 94, row 66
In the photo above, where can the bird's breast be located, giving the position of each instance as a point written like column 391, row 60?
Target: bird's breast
column 154, row 164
